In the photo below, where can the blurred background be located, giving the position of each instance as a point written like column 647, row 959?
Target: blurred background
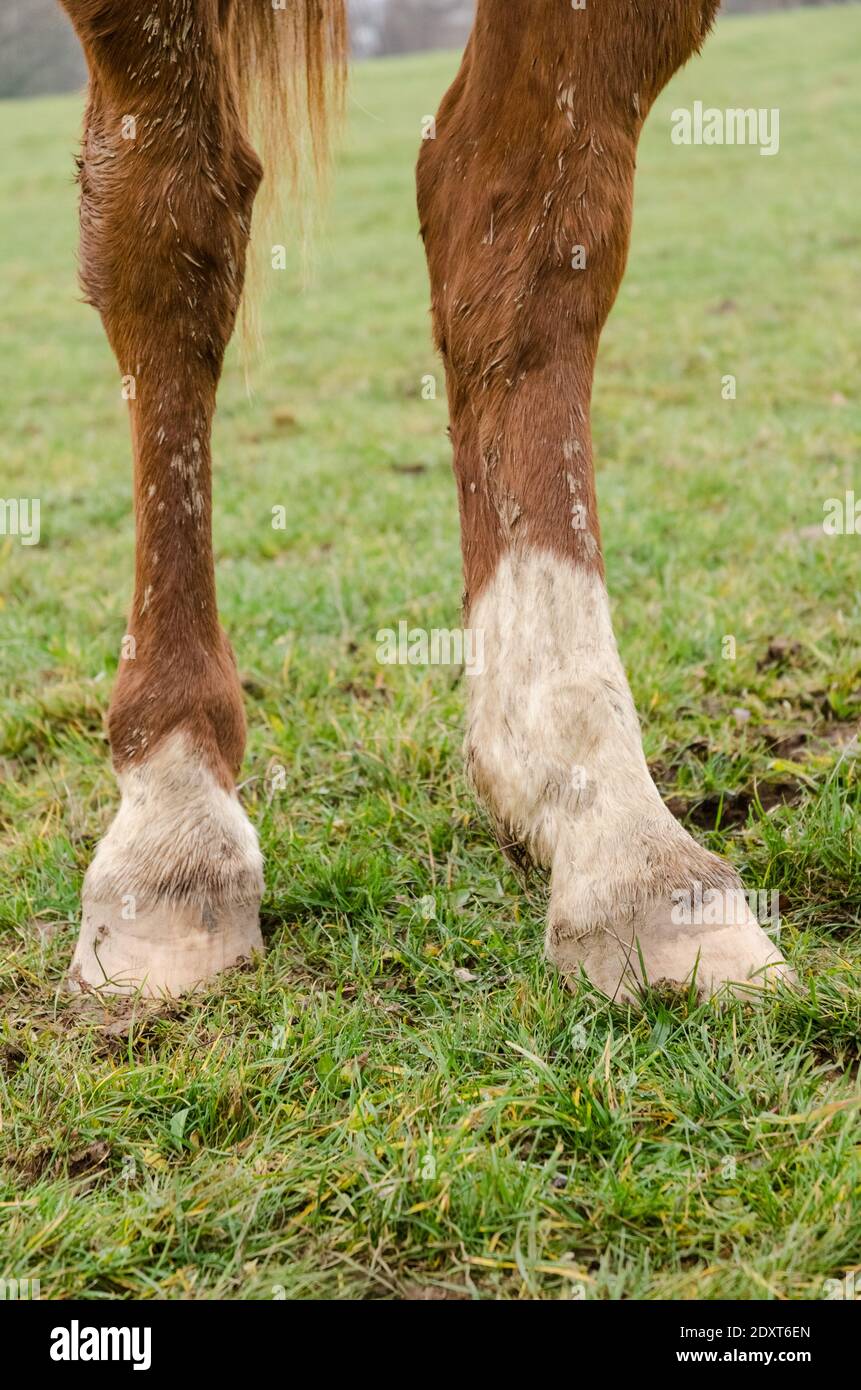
column 39, row 53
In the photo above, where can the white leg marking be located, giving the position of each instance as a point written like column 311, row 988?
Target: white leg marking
column 172, row 894
column 554, row 746
column 177, row 833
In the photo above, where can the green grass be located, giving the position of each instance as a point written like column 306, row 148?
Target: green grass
column 402, row 1099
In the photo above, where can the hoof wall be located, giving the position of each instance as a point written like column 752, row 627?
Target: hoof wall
column 166, row 950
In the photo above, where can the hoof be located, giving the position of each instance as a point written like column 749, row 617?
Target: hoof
column 166, row 950
column 730, row 955
column 172, row 896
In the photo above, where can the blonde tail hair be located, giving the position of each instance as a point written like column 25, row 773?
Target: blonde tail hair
column 289, row 68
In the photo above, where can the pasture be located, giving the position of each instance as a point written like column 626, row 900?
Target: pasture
column 401, row 1100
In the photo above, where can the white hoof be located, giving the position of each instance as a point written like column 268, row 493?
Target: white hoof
column 172, row 895
column 731, row 954
column 166, row 951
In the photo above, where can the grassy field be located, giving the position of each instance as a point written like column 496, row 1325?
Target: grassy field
column 402, row 1100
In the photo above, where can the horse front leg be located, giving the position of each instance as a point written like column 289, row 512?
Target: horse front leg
column 167, row 185
column 525, row 198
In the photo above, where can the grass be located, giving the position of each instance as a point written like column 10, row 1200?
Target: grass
column 402, row 1100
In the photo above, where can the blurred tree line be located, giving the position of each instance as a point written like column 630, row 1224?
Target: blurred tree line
column 406, row 26
column 39, row 52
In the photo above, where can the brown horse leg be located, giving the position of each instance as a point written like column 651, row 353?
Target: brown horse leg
column 525, row 201
column 167, row 185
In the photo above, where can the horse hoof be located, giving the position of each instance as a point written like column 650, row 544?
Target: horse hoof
column 166, row 950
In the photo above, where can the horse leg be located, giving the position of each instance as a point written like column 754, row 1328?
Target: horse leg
column 525, row 200
column 167, row 184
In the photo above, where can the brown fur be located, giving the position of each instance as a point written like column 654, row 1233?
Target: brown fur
column 165, row 223
column 534, row 154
